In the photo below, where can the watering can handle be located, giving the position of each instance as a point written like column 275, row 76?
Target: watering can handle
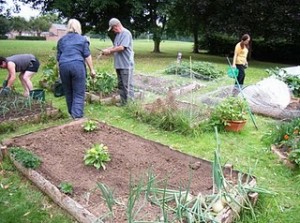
column 228, row 61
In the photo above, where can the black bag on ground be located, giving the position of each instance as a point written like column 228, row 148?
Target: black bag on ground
column 58, row 89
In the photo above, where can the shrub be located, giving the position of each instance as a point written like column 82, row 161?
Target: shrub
column 30, row 38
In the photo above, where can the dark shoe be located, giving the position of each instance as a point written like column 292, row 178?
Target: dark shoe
column 235, row 92
column 119, row 104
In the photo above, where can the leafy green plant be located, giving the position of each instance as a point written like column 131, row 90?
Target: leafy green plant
column 286, row 137
column 200, row 70
column 66, row 188
column 26, row 158
column 90, row 125
column 104, row 83
column 50, row 72
column 97, row 156
column 230, row 109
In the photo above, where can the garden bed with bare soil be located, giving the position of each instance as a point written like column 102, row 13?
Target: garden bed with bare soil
column 161, row 85
column 62, row 150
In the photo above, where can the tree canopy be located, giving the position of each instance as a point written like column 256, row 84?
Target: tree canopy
column 269, row 20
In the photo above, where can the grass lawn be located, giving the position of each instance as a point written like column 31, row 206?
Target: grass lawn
column 22, row 202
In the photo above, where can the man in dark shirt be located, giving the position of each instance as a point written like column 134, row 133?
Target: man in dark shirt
column 26, row 64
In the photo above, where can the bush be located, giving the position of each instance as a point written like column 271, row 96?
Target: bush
column 276, row 51
column 3, row 37
column 30, row 38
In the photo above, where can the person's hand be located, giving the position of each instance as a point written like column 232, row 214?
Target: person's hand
column 106, row 52
column 246, row 65
column 5, row 91
column 233, row 66
column 93, row 74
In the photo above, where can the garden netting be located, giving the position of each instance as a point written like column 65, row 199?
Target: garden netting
column 269, row 97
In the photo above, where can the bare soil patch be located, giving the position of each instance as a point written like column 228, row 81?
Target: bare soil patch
column 62, row 150
column 161, row 85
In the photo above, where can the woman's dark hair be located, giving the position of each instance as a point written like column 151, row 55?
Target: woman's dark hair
column 243, row 39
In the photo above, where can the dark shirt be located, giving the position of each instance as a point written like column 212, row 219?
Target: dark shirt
column 22, row 61
column 72, row 47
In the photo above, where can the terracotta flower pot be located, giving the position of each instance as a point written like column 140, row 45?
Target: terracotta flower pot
column 235, row 126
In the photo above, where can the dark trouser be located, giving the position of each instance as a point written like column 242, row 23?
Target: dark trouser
column 241, row 75
column 125, row 84
column 73, row 77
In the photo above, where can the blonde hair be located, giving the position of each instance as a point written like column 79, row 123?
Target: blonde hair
column 74, row 26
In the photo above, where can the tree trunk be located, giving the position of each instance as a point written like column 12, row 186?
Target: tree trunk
column 156, row 46
column 196, row 42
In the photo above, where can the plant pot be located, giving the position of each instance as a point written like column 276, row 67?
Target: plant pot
column 235, row 126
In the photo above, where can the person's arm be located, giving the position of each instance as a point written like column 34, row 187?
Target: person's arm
column 110, row 50
column 236, row 51
column 89, row 62
column 11, row 67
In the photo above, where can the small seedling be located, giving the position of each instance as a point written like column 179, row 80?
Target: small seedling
column 97, row 156
column 66, row 188
column 90, row 126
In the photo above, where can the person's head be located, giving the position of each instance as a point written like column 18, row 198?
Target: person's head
column 115, row 25
column 3, row 62
column 245, row 40
column 74, row 26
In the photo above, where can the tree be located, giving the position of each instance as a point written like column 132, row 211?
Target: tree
column 151, row 16
column 19, row 24
column 269, row 19
column 140, row 15
column 93, row 14
column 40, row 24
column 5, row 25
column 189, row 17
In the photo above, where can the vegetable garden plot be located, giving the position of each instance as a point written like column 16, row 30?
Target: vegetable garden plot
column 172, row 177
column 15, row 107
column 161, row 85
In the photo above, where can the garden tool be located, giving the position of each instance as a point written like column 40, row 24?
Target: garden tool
column 233, row 72
column 100, row 53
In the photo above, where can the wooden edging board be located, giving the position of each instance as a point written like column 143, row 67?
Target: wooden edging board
column 71, row 206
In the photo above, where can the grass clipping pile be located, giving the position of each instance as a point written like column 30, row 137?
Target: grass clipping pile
column 144, row 182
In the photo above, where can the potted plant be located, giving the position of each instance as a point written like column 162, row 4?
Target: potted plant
column 230, row 114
